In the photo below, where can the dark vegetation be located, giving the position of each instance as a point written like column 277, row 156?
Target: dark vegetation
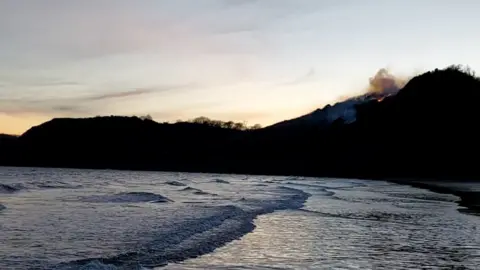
column 221, row 124
column 211, row 122
column 428, row 130
column 8, row 144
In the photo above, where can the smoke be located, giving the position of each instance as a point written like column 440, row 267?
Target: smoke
column 136, row 92
column 381, row 85
column 385, row 83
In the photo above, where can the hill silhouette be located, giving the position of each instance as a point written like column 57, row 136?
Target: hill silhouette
column 427, row 130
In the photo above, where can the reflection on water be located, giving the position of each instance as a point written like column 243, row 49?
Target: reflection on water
column 372, row 226
column 117, row 220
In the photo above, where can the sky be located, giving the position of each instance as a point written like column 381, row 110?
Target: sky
column 259, row 61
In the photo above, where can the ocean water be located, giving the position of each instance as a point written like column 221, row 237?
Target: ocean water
column 88, row 219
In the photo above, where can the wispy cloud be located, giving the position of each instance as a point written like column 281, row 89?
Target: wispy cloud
column 123, row 94
column 138, row 92
column 236, row 3
column 308, row 77
column 58, row 83
column 77, row 105
column 30, row 80
column 19, row 107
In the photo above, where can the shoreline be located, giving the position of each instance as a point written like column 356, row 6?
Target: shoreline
column 469, row 198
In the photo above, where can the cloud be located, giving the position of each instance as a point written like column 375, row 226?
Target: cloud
column 67, row 109
column 235, row 3
column 122, row 27
column 308, row 77
column 138, row 92
column 76, row 105
column 110, row 28
column 33, row 80
column 112, row 95
column 22, row 107
column 58, row 83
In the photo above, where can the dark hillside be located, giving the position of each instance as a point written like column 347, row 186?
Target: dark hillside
column 428, row 130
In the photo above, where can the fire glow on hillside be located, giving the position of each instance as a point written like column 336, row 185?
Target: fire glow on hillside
column 386, row 83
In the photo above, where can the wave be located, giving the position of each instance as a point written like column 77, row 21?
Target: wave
column 175, row 183
column 96, row 265
column 221, row 181
column 57, row 184
column 275, row 181
column 350, row 186
column 14, row 188
column 401, row 218
column 192, row 238
column 306, row 185
column 260, row 185
column 401, row 200
column 318, row 188
column 8, row 189
column 190, row 189
column 127, row 197
column 197, row 191
column 201, row 192
column 427, row 197
column 193, row 202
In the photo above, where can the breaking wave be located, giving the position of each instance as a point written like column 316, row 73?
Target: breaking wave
column 197, row 191
column 221, row 181
column 7, row 189
column 175, row 183
column 128, row 197
column 192, row 238
column 57, row 184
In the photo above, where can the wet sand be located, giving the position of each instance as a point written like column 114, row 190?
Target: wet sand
column 468, row 192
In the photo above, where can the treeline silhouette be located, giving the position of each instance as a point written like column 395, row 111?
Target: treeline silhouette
column 221, row 124
column 203, row 120
column 428, row 130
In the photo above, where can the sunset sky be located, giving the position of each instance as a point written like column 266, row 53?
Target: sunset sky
column 255, row 60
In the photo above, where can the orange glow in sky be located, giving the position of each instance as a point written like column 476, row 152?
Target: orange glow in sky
column 226, row 60
column 17, row 125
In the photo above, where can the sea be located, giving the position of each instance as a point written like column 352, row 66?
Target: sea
column 106, row 219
